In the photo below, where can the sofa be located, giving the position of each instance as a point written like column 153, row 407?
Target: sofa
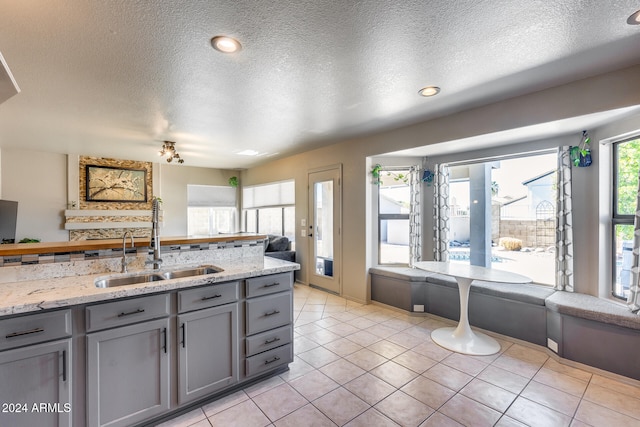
column 279, row 247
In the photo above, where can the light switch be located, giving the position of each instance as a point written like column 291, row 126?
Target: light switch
column 303, row 222
column 303, row 233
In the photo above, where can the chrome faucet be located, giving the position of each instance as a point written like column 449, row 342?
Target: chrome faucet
column 124, row 250
column 155, row 239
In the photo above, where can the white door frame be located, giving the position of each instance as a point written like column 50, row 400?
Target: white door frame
column 334, row 283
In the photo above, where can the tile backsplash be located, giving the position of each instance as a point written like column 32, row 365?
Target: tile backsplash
column 16, row 268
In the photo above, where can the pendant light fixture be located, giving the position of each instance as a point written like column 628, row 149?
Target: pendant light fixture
column 169, row 151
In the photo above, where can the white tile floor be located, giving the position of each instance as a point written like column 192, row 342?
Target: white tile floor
column 369, row 366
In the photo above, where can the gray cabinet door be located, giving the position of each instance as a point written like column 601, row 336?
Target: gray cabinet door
column 35, row 385
column 207, row 351
column 127, row 374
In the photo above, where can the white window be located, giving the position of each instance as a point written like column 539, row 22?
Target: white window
column 502, row 215
column 211, row 210
column 270, row 209
column 394, row 197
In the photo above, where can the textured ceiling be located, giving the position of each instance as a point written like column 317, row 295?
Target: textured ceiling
column 115, row 78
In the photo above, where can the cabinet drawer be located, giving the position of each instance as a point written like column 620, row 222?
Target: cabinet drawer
column 269, row 359
column 34, row 328
column 118, row 313
column 269, row 312
column 207, row 296
column 268, row 340
column 273, row 283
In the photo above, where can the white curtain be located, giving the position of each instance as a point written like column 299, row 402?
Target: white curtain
column 633, row 300
column 415, row 245
column 564, row 223
column 441, row 213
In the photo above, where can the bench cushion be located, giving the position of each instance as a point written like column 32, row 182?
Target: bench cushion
column 530, row 294
column 593, row 308
column 401, row 273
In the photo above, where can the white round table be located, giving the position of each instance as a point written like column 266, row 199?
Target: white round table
column 462, row 339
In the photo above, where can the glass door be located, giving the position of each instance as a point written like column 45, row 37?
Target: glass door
column 324, row 224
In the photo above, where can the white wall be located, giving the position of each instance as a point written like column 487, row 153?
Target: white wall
column 596, row 94
column 173, row 191
column 38, row 182
column 39, row 179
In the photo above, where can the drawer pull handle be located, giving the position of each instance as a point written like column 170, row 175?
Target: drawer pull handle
column 272, row 340
column 64, row 365
column 184, row 335
column 271, row 313
column 164, row 337
column 271, row 284
column 275, row 359
column 19, row 334
column 211, row 297
column 138, row 311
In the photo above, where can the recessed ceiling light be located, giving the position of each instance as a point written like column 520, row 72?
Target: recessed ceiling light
column 225, row 44
column 429, row 91
column 634, row 19
column 248, row 153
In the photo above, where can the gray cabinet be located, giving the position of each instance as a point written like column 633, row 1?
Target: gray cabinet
column 207, row 351
column 35, row 385
column 35, row 370
column 128, row 366
column 268, row 323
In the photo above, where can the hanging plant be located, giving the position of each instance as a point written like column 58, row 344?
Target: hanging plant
column 427, row 176
column 377, row 173
column 581, row 154
column 233, row 181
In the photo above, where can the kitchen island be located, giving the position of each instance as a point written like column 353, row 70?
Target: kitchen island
column 133, row 354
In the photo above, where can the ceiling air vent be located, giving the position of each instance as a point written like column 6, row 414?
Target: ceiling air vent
column 8, row 85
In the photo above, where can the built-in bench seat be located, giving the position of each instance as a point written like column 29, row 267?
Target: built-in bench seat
column 516, row 310
column 586, row 329
column 595, row 331
column 400, row 287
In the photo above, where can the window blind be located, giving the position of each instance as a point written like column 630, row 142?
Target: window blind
column 211, row 196
column 272, row 194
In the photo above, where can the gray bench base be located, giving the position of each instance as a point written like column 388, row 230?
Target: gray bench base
column 399, row 287
column 595, row 332
column 585, row 328
column 514, row 310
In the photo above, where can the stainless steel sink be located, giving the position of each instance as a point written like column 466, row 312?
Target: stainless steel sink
column 110, row 282
column 189, row 272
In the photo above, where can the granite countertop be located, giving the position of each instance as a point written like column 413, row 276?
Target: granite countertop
column 37, row 295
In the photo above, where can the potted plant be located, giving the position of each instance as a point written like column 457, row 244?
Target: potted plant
column 581, row 154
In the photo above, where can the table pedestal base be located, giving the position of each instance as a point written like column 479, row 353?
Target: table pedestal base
column 473, row 343
column 462, row 339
